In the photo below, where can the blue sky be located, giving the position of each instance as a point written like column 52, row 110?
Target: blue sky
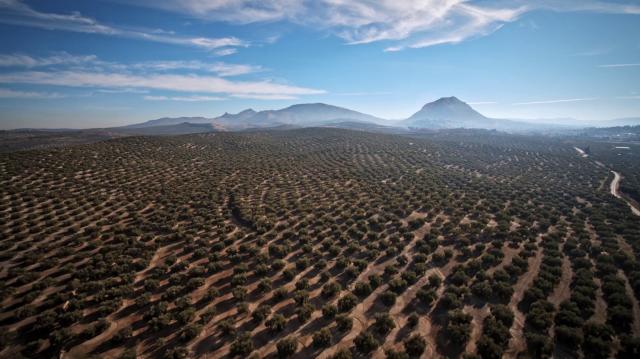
column 107, row 63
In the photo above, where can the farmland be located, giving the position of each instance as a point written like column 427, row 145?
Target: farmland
column 318, row 243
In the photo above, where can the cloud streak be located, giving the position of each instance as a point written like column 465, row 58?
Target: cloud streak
column 64, row 59
column 619, row 65
column 406, row 23
column 15, row 12
column 8, row 93
column 63, row 69
column 184, row 98
column 480, row 103
column 545, row 102
column 169, row 82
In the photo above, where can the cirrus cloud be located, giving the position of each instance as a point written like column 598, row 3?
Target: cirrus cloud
column 64, row 59
column 169, row 82
column 406, row 23
column 16, row 12
column 9, row 93
column 183, row 98
column 547, row 102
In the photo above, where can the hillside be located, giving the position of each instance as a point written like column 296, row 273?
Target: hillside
column 302, row 115
column 314, row 242
column 310, row 115
column 183, row 128
column 450, row 112
column 169, row 121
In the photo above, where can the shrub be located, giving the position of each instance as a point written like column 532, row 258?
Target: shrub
column 394, row 354
column 458, row 326
column 322, row 338
column 261, row 313
column 388, row 298
column 304, row 312
column 342, row 354
column 190, row 332
column 242, row 346
column 383, row 324
column 344, row 322
column 330, row 289
column 415, row 345
column 329, row 311
column 286, row 347
column 362, row 289
column 347, row 302
column 176, row 353
column 276, row 323
column 413, row 320
column 365, row 342
column 488, row 349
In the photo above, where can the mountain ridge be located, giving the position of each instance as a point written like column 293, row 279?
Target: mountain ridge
column 443, row 113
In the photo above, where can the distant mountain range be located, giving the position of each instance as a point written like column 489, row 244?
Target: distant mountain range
column 302, row 115
column 619, row 122
column 444, row 113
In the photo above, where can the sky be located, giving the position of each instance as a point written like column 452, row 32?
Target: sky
column 103, row 63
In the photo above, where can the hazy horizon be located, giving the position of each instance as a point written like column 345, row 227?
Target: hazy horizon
column 387, row 121
column 73, row 64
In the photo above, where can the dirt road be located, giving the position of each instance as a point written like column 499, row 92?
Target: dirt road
column 615, row 191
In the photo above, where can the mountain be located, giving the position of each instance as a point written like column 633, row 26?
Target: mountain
column 450, row 112
column 447, row 112
column 168, row 121
column 228, row 118
column 444, row 113
column 310, row 114
column 618, row 122
column 302, row 115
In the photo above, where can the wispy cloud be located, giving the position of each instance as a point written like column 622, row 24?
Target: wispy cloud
column 184, row 98
column 220, row 68
column 591, row 53
column 61, row 58
column 8, row 93
column 122, row 90
column 225, row 52
column 63, row 69
column 377, row 93
column 15, row 12
column 619, row 65
column 480, row 103
column 407, row 23
column 224, row 69
column 171, row 82
column 265, row 96
column 553, row 101
column 64, row 59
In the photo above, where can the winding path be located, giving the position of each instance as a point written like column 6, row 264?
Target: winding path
column 615, row 184
column 615, row 191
